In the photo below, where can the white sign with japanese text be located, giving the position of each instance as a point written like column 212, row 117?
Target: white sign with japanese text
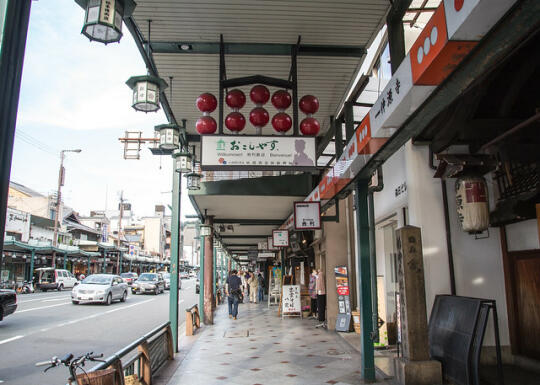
column 262, row 245
column 290, row 302
column 280, row 238
column 18, row 222
column 307, row 215
column 243, row 152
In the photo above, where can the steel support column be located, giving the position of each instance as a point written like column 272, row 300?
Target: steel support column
column 348, row 115
column 121, row 258
column 214, row 278
column 208, row 270
column 175, row 254
column 88, row 266
column 396, row 35
column 15, row 29
column 65, row 261
column 32, row 265
column 363, row 280
column 104, row 267
column 201, row 276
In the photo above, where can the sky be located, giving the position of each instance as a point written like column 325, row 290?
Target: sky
column 74, row 96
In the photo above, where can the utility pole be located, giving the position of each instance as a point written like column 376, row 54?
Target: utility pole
column 61, row 179
column 120, row 229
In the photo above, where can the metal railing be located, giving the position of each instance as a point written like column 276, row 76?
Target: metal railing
column 144, row 356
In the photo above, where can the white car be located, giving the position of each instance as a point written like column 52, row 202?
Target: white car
column 49, row 278
column 103, row 288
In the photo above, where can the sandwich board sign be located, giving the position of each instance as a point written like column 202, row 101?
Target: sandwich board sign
column 290, row 302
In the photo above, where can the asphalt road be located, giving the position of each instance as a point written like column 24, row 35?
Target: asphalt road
column 48, row 324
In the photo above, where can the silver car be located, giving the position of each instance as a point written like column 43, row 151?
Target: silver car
column 103, row 288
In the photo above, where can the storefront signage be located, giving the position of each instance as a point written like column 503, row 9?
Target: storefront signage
column 343, row 321
column 307, row 215
column 266, row 254
column 18, row 222
column 280, row 238
column 262, row 245
column 243, row 152
column 290, row 303
column 270, row 243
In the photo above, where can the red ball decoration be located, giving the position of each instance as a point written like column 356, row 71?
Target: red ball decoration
column 281, row 122
column 206, row 102
column 259, row 95
column 206, row 125
column 310, row 126
column 235, row 121
column 281, row 99
column 259, row 117
column 235, row 99
column 309, row 104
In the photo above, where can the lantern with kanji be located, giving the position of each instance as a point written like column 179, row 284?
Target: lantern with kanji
column 472, row 204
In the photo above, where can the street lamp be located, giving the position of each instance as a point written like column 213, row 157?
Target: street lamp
column 183, row 161
column 61, row 180
column 193, row 181
column 103, row 19
column 169, row 136
column 146, row 89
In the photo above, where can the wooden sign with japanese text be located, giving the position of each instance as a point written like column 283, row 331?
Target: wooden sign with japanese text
column 290, row 302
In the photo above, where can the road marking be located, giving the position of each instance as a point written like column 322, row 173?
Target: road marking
column 10, row 339
column 39, row 299
column 125, row 307
column 39, row 308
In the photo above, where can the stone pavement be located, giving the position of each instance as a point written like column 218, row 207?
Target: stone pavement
column 260, row 348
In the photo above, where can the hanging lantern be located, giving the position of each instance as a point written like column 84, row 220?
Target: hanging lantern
column 259, row 118
column 206, row 103
column 183, row 161
column 193, row 181
column 206, row 125
column 103, row 19
column 472, row 204
column 310, row 126
column 259, row 95
column 235, row 121
column 235, row 99
column 281, row 99
column 309, row 104
column 205, row 230
column 281, row 122
column 169, row 136
column 146, row 91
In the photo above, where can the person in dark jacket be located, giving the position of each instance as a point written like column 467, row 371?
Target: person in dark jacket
column 233, row 290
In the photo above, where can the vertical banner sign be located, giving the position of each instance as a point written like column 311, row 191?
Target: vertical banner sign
column 280, row 238
column 290, row 305
column 307, row 215
column 343, row 321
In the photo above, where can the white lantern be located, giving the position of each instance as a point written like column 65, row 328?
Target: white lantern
column 146, row 91
column 183, row 162
column 103, row 19
column 169, row 136
column 193, row 181
column 205, row 230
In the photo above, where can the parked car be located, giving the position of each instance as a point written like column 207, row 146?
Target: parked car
column 103, row 288
column 184, row 275
column 167, row 278
column 149, row 283
column 129, row 277
column 8, row 303
column 48, row 278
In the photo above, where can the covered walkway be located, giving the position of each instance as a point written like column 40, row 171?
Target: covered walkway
column 260, row 348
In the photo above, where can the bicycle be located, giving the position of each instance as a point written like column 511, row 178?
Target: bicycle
column 72, row 363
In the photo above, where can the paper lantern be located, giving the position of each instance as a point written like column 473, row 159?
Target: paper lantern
column 259, row 95
column 235, row 99
column 206, row 125
column 281, row 122
column 206, row 102
column 259, row 117
column 309, row 104
column 310, row 126
column 281, row 99
column 235, row 121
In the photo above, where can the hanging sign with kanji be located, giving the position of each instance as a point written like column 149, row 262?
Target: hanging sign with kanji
column 307, row 215
column 280, row 238
column 244, row 152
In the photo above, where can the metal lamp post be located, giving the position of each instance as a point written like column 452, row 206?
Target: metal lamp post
column 61, row 179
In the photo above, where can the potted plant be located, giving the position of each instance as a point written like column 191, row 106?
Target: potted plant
column 305, row 311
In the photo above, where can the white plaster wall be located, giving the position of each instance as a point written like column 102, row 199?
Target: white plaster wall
column 394, row 175
column 426, row 211
column 522, row 235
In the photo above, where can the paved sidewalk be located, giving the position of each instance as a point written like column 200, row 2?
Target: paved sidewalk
column 260, row 348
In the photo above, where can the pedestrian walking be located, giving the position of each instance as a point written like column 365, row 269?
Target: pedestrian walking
column 247, row 276
column 320, row 287
column 254, row 288
column 261, row 287
column 233, row 290
column 313, row 292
